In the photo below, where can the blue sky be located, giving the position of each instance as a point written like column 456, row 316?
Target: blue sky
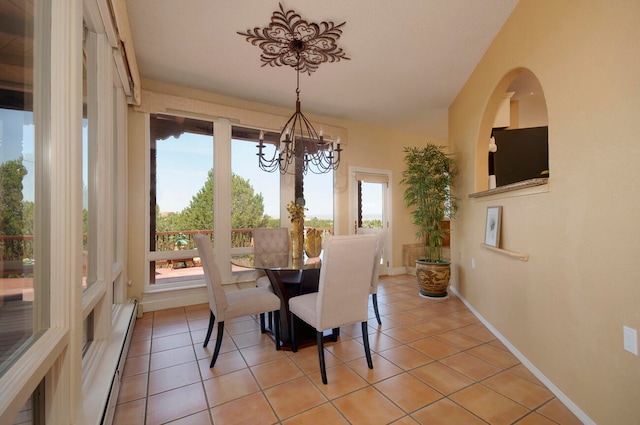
column 177, row 183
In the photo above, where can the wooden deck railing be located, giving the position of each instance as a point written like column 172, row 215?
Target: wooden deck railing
column 20, row 247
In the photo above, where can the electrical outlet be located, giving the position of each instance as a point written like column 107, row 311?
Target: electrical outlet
column 473, row 263
column 630, row 339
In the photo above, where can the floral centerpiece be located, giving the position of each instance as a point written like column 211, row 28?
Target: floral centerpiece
column 296, row 214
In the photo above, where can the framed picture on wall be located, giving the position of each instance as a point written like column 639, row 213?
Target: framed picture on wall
column 492, row 231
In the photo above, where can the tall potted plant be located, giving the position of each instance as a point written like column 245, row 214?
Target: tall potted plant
column 429, row 178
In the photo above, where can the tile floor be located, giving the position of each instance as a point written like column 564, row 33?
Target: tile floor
column 434, row 363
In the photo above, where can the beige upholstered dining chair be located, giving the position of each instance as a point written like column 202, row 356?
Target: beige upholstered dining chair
column 343, row 291
column 267, row 242
column 375, row 277
column 238, row 303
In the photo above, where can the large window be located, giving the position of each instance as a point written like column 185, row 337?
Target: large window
column 181, row 195
column 255, row 194
column 52, row 195
column 18, row 294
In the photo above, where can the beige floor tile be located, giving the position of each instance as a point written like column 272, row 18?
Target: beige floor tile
column 379, row 341
column 341, row 380
column 497, row 357
column 407, row 420
column 406, row 357
column 133, row 388
column 294, row 397
column 171, row 357
column 429, row 328
column 519, row 390
column 523, row 372
column 470, row 366
column 136, row 365
column 261, row 353
column 346, row 351
column 477, row 331
column 251, row 338
column 252, row 409
column 458, row 339
column 404, row 317
column 307, row 359
column 558, row 412
column 232, row 386
column 408, row 392
column 197, row 311
column 382, row 368
column 131, row 413
column 434, row 348
column 139, row 348
column 535, row 419
column 142, row 333
column 173, row 377
column 442, row 378
column 368, row 406
column 489, row 405
column 226, row 363
column 200, row 418
column 170, row 329
column 323, row 414
column 198, row 324
column 202, row 351
column 276, row 372
column 239, row 327
column 175, row 404
column 170, row 315
column 446, row 412
column 171, row 341
column 404, row 334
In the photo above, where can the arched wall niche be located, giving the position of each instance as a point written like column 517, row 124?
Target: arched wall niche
column 521, row 92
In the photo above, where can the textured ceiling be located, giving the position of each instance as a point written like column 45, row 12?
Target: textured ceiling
column 409, row 58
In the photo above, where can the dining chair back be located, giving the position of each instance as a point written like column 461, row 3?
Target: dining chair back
column 223, row 305
column 343, row 291
column 375, row 276
column 267, row 243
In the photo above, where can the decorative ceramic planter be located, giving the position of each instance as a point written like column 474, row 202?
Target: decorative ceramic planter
column 433, row 278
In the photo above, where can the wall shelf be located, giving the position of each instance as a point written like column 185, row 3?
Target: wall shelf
column 517, row 255
column 511, row 187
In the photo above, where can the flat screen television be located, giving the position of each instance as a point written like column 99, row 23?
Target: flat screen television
column 522, row 154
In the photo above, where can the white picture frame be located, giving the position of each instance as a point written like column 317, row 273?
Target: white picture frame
column 492, row 229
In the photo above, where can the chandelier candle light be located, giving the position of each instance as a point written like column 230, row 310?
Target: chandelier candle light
column 291, row 41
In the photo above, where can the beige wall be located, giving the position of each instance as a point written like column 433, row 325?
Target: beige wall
column 563, row 309
column 367, row 146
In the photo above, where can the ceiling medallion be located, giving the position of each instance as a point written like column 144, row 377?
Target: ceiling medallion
column 289, row 40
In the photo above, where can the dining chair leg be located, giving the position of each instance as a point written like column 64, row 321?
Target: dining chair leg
column 276, row 327
column 374, row 299
column 323, row 371
column 365, row 339
column 335, row 333
column 263, row 328
column 212, row 319
column 294, row 343
column 216, row 350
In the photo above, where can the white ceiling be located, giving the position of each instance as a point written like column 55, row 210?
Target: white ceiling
column 409, row 58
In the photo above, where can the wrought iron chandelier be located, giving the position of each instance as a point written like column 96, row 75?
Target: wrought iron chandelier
column 291, row 41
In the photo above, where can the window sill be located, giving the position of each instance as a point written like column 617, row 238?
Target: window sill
column 540, row 184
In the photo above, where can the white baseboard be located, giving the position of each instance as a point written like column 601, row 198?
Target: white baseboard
column 174, row 297
column 530, row 366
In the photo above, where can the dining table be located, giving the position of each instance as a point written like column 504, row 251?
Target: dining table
column 290, row 277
